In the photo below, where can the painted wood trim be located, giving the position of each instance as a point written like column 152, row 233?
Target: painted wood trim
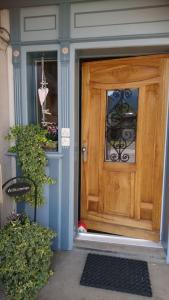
column 55, row 155
column 112, row 18
column 17, row 94
column 98, row 19
column 32, row 3
column 24, row 51
column 158, row 180
column 39, row 23
column 64, row 93
column 47, row 18
column 115, row 46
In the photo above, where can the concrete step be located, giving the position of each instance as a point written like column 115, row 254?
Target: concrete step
column 149, row 254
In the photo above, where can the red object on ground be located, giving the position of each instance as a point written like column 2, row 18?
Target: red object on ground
column 82, row 227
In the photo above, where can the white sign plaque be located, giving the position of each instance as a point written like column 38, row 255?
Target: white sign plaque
column 65, row 132
column 65, row 141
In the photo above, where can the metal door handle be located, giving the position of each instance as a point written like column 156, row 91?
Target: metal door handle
column 84, row 152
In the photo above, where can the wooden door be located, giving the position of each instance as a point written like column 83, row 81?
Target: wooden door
column 124, row 105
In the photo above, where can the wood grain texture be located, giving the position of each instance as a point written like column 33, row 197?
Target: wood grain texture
column 119, row 220
column 160, row 142
column 124, row 198
column 123, row 230
column 85, row 126
column 116, row 193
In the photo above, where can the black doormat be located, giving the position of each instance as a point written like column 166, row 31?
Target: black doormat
column 117, row 274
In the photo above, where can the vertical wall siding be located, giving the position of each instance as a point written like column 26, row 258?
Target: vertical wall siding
column 49, row 214
column 65, row 93
column 66, row 217
column 17, row 94
column 66, row 226
column 54, row 166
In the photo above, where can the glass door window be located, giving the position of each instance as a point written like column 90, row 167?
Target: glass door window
column 121, row 125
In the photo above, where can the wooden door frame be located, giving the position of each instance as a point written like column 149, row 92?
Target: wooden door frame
column 89, row 215
column 75, row 54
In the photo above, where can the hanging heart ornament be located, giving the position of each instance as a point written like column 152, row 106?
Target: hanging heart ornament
column 42, row 92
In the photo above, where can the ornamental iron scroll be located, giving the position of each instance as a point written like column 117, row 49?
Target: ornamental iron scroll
column 121, row 122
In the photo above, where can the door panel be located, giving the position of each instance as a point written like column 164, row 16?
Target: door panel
column 118, row 185
column 147, row 137
column 123, row 129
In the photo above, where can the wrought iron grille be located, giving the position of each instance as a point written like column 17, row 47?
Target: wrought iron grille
column 121, row 121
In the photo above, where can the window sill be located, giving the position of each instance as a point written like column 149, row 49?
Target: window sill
column 49, row 154
column 52, row 154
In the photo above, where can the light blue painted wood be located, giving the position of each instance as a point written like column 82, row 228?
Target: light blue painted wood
column 100, row 31
column 64, row 59
column 75, row 55
column 55, row 199
column 15, row 40
column 65, row 93
column 64, row 21
column 31, row 3
column 15, row 33
column 40, row 23
column 17, row 94
column 49, row 215
column 25, row 50
column 89, row 32
column 31, row 86
column 43, row 212
column 66, row 217
column 165, row 212
column 119, row 18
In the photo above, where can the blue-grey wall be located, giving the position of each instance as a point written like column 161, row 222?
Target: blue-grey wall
column 73, row 26
column 50, row 214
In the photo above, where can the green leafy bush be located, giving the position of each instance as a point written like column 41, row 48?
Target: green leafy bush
column 25, row 253
column 31, row 158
